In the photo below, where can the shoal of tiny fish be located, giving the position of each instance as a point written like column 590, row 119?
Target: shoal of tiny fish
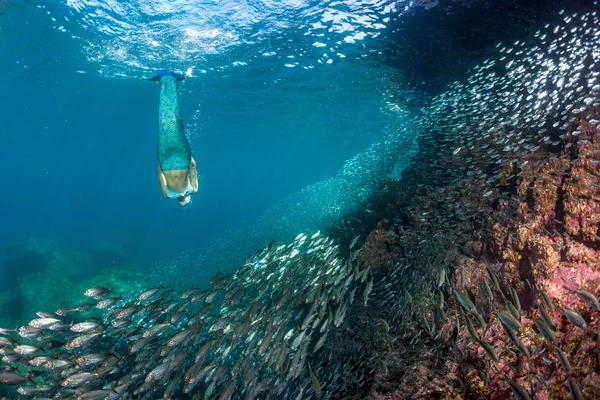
column 250, row 334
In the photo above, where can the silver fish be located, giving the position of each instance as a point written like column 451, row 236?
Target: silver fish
column 590, row 299
column 97, row 293
column 545, row 330
column 575, row 318
column 43, row 322
column 509, row 321
column 8, row 378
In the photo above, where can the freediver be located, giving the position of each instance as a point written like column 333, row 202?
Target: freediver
column 176, row 169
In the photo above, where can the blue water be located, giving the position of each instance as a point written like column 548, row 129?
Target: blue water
column 286, row 107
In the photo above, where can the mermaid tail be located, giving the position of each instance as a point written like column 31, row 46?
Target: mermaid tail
column 173, row 151
column 165, row 72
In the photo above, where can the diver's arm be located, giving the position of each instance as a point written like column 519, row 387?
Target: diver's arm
column 194, row 176
column 163, row 182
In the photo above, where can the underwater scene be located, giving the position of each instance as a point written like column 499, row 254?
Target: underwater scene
column 328, row 199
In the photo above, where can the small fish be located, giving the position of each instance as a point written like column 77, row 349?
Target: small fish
column 575, row 318
column 55, row 364
column 455, row 330
column 408, row 296
column 156, row 329
column 440, row 299
column 354, row 241
column 43, row 323
column 367, row 290
column 589, row 298
column 85, row 307
column 564, row 361
column 107, row 303
column 97, row 293
column 516, row 313
column 545, row 330
column 515, row 298
column 63, row 312
column 85, row 327
column 180, row 337
column 4, row 342
column 320, row 342
column 442, row 277
column 43, row 314
column 25, row 350
column 141, row 343
column 522, row 348
column 385, row 325
column 315, row 381
column 518, row 390
column 489, row 349
column 28, row 332
column 82, row 341
column 158, row 372
column 228, row 391
column 425, row 323
column 546, row 300
column 8, row 378
column 493, row 277
column 100, row 394
column 28, row 390
column 441, row 314
column 78, row 379
column 480, row 320
column 547, row 318
column 148, row 294
column 471, row 328
column 464, row 301
column 509, row 321
column 575, row 390
column 488, row 290
column 92, row 359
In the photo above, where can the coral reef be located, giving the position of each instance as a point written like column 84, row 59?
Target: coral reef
column 497, row 291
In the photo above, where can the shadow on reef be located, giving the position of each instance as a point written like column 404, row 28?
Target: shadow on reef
column 38, row 274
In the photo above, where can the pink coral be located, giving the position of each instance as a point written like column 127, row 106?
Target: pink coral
column 542, row 239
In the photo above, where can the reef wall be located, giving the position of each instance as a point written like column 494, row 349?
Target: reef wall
column 485, row 256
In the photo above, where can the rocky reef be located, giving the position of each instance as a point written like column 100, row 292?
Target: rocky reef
column 40, row 273
column 485, row 254
column 489, row 289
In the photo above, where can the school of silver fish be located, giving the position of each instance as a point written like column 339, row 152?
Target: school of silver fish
column 247, row 335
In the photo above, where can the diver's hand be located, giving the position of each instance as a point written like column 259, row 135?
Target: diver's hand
column 194, row 176
column 193, row 171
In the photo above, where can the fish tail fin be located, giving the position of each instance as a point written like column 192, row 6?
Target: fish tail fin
column 165, row 72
